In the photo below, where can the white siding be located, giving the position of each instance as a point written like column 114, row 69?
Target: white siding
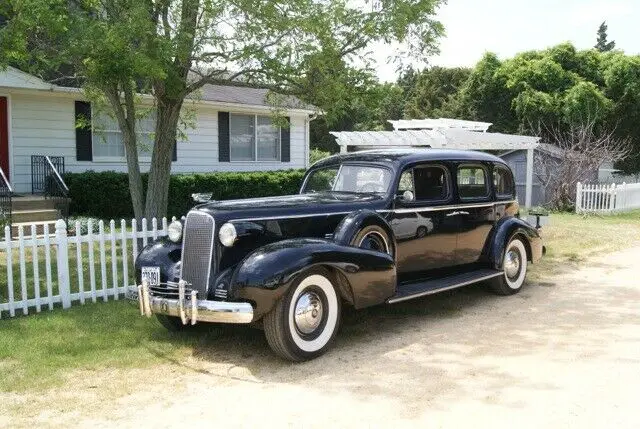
column 43, row 124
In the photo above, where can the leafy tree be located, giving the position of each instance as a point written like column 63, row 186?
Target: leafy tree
column 485, row 96
column 167, row 50
column 602, row 44
column 433, row 89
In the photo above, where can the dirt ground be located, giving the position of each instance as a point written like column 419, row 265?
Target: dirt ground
column 562, row 353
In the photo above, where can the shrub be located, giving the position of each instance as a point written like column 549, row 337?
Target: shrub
column 106, row 194
column 317, row 154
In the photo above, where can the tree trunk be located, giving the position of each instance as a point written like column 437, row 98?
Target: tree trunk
column 168, row 114
column 125, row 115
column 135, row 179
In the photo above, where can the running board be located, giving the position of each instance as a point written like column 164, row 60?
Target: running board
column 429, row 287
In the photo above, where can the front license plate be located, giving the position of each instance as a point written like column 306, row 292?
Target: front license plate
column 151, row 275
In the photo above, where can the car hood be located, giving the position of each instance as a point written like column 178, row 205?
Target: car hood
column 291, row 205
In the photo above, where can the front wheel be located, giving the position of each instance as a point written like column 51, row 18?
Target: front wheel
column 514, row 265
column 304, row 322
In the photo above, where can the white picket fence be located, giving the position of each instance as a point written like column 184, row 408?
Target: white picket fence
column 44, row 270
column 607, row 198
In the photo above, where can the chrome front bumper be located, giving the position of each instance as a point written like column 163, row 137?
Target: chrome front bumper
column 183, row 303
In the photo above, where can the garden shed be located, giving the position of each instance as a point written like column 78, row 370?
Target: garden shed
column 447, row 134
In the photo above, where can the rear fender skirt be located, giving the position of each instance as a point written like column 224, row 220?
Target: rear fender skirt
column 265, row 275
column 162, row 253
column 502, row 233
column 354, row 222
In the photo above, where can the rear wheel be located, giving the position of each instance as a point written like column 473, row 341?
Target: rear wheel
column 304, row 322
column 514, row 265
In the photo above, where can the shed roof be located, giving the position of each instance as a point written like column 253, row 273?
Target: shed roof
column 448, row 138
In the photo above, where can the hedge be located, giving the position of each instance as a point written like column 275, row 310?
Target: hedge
column 105, row 195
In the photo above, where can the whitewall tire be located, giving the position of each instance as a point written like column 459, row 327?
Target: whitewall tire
column 514, row 267
column 304, row 322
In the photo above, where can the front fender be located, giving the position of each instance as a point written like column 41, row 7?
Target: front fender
column 162, row 253
column 502, row 232
column 363, row 277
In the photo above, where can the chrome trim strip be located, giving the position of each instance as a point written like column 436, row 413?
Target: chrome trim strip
column 213, row 240
column 434, row 291
column 405, row 210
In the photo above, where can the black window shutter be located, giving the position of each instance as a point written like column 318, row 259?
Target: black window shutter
column 285, row 142
column 223, row 137
column 174, row 157
column 84, row 151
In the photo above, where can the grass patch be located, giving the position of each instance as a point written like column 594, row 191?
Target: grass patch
column 571, row 239
column 37, row 351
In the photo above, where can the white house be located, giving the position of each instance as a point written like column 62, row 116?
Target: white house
column 232, row 131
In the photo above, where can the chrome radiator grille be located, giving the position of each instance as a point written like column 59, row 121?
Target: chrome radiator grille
column 197, row 251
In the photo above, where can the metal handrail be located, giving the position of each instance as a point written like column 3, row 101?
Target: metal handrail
column 6, row 193
column 60, row 180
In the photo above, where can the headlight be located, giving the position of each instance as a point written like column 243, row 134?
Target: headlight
column 174, row 231
column 228, row 234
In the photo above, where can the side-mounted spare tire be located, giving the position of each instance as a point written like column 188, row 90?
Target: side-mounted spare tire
column 368, row 230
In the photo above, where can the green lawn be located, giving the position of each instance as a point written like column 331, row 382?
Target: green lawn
column 39, row 351
column 571, row 239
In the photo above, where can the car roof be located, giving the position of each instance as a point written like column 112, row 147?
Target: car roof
column 402, row 157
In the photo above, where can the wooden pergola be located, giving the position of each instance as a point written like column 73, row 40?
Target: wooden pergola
column 442, row 134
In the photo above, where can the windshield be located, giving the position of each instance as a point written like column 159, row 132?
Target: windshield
column 348, row 178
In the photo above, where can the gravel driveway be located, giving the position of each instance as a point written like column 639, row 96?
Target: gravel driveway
column 562, row 353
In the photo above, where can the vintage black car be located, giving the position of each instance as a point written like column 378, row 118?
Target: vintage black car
column 367, row 228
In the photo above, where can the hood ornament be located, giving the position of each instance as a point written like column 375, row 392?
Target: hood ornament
column 202, row 197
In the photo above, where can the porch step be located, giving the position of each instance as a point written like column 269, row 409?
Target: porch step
column 46, row 215
column 26, row 228
column 432, row 286
column 31, row 202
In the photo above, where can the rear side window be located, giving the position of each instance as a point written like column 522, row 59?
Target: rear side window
column 472, row 182
column 503, row 182
column 431, row 183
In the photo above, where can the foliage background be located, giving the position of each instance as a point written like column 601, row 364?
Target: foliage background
column 559, row 86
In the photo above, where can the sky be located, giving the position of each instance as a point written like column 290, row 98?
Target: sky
column 507, row 27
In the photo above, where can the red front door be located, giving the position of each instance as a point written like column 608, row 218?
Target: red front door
column 4, row 136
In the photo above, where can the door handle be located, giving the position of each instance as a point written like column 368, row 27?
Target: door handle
column 457, row 213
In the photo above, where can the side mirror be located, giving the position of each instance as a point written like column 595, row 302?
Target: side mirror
column 406, row 197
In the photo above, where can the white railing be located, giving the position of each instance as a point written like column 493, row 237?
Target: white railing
column 609, row 198
column 60, row 269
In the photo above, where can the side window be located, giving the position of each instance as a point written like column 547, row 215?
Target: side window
column 503, row 182
column 472, row 182
column 431, row 183
column 406, row 182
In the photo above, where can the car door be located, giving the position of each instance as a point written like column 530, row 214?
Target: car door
column 476, row 213
column 423, row 224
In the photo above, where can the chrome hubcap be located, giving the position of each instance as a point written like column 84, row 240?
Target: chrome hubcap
column 512, row 263
column 308, row 313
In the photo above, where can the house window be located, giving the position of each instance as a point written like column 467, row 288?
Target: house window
column 253, row 138
column 107, row 138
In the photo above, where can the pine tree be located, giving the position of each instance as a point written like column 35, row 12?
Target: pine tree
column 602, row 45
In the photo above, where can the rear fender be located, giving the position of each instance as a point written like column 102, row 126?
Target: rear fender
column 364, row 277
column 503, row 232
